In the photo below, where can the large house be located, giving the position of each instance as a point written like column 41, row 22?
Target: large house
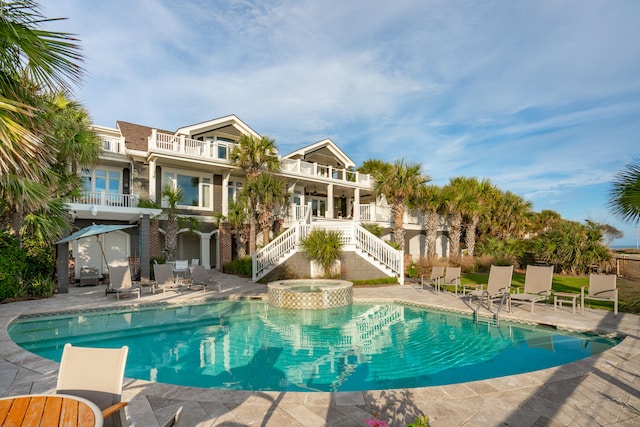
column 138, row 161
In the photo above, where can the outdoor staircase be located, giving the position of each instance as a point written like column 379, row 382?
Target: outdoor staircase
column 355, row 238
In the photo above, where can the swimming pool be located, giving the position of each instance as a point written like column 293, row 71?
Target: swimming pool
column 249, row 345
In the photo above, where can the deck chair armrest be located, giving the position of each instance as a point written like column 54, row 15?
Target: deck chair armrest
column 113, row 409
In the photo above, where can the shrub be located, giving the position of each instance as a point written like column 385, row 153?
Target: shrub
column 12, row 265
column 324, row 247
column 412, row 270
column 41, row 287
column 239, row 266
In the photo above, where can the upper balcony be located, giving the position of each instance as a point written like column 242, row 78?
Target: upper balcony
column 113, row 144
column 219, row 151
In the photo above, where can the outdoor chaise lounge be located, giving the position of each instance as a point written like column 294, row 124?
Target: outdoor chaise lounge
column 200, row 277
column 95, row 374
column 164, row 278
column 452, row 277
column 602, row 287
column 120, row 281
column 498, row 285
column 437, row 272
column 537, row 285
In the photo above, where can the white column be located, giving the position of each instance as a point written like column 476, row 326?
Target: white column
column 356, row 204
column 329, row 213
column 225, row 193
column 205, row 250
column 152, row 181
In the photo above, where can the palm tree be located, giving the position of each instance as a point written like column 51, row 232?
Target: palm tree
column 476, row 208
column 324, row 247
column 401, row 183
column 624, row 198
column 269, row 191
column 457, row 197
column 431, row 203
column 254, row 155
column 30, row 57
column 238, row 220
column 173, row 197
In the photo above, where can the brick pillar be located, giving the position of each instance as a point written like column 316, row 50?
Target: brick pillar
column 154, row 238
column 226, row 244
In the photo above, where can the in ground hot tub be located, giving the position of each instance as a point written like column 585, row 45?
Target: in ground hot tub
column 310, row 294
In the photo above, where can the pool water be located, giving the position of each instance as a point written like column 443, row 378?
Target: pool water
column 249, row 345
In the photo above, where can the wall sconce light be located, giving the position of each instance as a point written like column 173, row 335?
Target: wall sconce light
column 94, row 211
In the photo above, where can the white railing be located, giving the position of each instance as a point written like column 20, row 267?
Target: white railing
column 298, row 212
column 351, row 235
column 273, row 251
column 112, row 144
column 321, row 171
column 380, row 250
column 102, row 198
column 211, row 149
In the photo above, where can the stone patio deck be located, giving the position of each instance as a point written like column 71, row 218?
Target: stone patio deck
column 597, row 391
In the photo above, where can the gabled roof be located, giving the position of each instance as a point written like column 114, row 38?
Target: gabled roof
column 136, row 137
column 324, row 152
column 216, row 124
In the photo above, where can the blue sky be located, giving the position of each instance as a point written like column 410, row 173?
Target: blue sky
column 541, row 97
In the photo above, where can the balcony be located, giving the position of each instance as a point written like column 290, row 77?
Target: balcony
column 102, row 198
column 220, row 151
column 111, row 144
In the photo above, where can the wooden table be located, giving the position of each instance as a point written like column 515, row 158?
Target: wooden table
column 560, row 298
column 49, row 410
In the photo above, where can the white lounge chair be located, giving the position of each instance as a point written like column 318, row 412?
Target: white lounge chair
column 200, row 277
column 96, row 374
column 602, row 287
column 537, row 285
column 120, row 281
column 452, row 277
column 164, row 278
column 437, row 273
column 498, row 285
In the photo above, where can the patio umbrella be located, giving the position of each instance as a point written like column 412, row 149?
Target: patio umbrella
column 95, row 230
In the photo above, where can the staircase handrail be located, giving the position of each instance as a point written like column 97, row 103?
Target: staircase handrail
column 380, row 250
column 276, row 248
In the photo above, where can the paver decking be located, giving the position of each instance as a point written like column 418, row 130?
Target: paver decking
column 597, row 391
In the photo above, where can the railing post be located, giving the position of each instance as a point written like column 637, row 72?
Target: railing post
column 254, row 266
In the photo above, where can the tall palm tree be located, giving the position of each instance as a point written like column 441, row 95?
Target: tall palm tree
column 624, row 197
column 270, row 192
column 457, row 198
column 173, row 196
column 30, row 57
column 401, row 183
column 255, row 155
column 238, row 220
column 477, row 206
column 431, row 203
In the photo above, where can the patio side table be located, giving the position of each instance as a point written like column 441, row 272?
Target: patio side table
column 560, row 298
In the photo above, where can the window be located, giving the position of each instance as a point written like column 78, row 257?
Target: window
column 234, row 190
column 197, row 190
column 102, row 180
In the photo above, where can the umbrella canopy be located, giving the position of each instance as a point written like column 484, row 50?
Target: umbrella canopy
column 93, row 230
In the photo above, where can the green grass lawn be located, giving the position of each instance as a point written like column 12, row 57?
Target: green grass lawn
column 628, row 294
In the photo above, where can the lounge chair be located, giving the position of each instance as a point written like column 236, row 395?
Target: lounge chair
column 437, row 272
column 537, row 285
column 174, row 420
column 200, row 277
column 452, row 277
column 498, row 285
column 89, row 276
column 95, row 374
column 602, row 287
column 164, row 278
column 181, row 268
column 120, row 282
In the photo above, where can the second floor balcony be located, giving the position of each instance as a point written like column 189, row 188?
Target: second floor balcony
column 218, row 151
